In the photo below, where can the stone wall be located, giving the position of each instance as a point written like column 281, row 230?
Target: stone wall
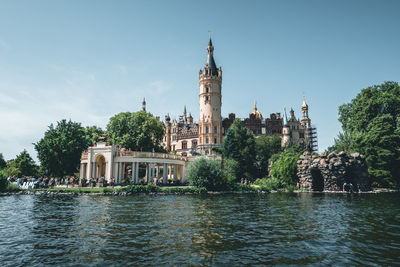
column 329, row 172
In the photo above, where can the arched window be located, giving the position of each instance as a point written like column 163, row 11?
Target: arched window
column 207, row 89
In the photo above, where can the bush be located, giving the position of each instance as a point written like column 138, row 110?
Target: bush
column 206, row 173
column 269, row 184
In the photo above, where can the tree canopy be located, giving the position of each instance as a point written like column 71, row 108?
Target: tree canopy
column 3, row 163
column 239, row 145
column 59, row 151
column 266, row 146
column 138, row 131
column 371, row 126
column 92, row 134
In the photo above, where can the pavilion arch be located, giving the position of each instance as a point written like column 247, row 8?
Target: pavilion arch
column 101, row 166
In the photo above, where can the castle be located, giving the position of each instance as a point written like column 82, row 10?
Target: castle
column 186, row 137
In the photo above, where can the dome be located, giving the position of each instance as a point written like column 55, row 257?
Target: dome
column 256, row 113
column 304, row 105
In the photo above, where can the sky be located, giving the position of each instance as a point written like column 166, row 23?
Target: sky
column 89, row 60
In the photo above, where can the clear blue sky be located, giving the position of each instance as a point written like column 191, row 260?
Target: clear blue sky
column 88, row 60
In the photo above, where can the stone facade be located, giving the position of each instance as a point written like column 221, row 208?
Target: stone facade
column 329, row 172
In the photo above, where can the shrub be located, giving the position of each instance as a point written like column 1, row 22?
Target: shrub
column 269, row 184
column 206, row 173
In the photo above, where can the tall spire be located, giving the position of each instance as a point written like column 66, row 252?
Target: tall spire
column 285, row 120
column 144, row 104
column 210, row 58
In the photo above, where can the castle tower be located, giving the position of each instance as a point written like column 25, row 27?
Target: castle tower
column 210, row 101
column 305, row 120
column 285, row 131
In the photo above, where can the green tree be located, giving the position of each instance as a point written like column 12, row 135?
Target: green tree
column 285, row 167
column 3, row 163
column 370, row 125
column 203, row 172
column 266, row 146
column 26, row 164
column 11, row 169
column 3, row 181
column 239, row 145
column 138, row 131
column 60, row 149
column 92, row 134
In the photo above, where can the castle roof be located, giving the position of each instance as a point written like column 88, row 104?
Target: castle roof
column 210, row 58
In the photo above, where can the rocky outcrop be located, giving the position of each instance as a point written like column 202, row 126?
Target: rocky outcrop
column 329, row 172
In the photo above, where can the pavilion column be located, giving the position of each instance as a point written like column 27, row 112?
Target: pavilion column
column 175, row 173
column 93, row 171
column 148, row 172
column 119, row 172
column 165, row 173
column 133, row 172
column 183, row 175
column 81, row 170
column 137, row 173
column 115, row 174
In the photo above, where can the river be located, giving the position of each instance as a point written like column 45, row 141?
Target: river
column 247, row 229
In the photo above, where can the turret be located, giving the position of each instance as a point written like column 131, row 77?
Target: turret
column 285, row 131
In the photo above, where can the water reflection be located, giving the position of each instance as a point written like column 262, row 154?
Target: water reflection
column 298, row 229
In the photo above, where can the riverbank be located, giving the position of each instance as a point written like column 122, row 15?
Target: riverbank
column 173, row 190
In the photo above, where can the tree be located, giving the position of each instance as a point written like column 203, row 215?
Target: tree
column 25, row 164
column 3, row 163
column 11, row 169
column 60, row 149
column 266, row 146
column 285, row 167
column 206, row 173
column 239, row 145
column 3, row 181
column 92, row 134
column 370, row 125
column 138, row 131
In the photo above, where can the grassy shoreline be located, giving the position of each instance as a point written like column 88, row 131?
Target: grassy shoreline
column 151, row 189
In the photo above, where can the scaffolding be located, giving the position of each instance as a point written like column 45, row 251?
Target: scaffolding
column 312, row 138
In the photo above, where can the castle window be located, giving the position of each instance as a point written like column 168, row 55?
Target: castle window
column 215, row 129
column 206, row 97
column 301, row 135
column 207, row 152
column 194, row 143
column 174, row 137
column 207, row 141
column 207, row 90
column 184, row 145
column 215, row 140
column 174, row 130
column 207, row 130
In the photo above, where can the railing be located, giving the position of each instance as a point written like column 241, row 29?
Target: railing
column 137, row 154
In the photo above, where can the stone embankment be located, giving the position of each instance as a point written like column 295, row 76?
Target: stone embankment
column 332, row 172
